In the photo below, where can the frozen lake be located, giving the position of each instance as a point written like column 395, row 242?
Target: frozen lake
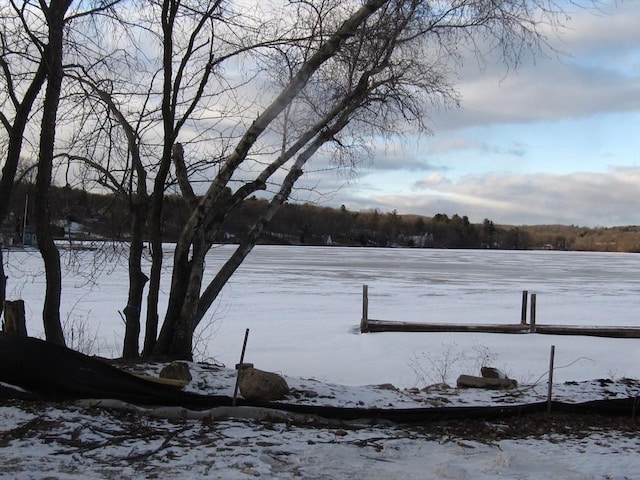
column 303, row 306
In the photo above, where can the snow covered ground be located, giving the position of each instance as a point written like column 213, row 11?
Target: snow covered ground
column 303, row 307
column 107, row 439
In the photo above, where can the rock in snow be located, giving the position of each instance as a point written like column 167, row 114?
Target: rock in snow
column 176, row 371
column 262, row 386
column 469, row 381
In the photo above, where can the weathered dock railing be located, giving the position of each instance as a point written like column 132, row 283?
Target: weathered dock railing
column 368, row 325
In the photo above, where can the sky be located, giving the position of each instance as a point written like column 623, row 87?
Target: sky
column 556, row 141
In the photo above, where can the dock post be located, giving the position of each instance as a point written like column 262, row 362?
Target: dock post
column 550, row 385
column 364, row 327
column 532, row 314
column 523, row 314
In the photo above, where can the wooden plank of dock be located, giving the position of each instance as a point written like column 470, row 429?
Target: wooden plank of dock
column 595, row 331
column 592, row 331
column 394, row 326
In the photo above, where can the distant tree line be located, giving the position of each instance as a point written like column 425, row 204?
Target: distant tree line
column 79, row 214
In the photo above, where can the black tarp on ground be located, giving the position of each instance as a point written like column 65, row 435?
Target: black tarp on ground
column 52, row 372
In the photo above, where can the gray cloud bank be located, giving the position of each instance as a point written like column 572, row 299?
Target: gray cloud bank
column 580, row 198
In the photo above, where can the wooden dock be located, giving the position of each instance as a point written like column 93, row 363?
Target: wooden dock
column 373, row 326
column 368, row 325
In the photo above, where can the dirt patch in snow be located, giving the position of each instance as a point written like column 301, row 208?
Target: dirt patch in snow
column 550, row 426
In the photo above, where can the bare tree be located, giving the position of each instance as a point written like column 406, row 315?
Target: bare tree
column 370, row 71
column 55, row 14
column 170, row 93
column 245, row 95
column 37, row 39
column 131, row 185
column 22, row 79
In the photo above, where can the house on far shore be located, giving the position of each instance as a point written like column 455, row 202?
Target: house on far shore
column 29, row 237
column 14, row 239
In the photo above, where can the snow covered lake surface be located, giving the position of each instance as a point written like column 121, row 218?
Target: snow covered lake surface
column 303, row 307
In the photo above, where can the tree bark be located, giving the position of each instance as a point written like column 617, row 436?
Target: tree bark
column 195, row 305
column 3, row 284
column 137, row 282
column 182, row 340
column 153, row 295
column 179, row 282
column 53, row 58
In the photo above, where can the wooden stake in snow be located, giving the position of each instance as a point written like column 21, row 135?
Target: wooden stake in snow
column 364, row 327
column 550, row 386
column 523, row 314
column 532, row 314
column 239, row 368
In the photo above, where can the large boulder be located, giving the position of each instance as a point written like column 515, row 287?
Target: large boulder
column 262, row 386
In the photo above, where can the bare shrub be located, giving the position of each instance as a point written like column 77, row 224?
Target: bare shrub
column 454, row 360
column 78, row 332
column 204, row 334
column 79, row 336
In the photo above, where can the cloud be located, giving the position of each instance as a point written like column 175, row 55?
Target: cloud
column 447, row 145
column 579, row 198
column 391, row 154
column 398, row 162
column 546, row 94
column 432, row 180
column 596, row 69
column 611, row 31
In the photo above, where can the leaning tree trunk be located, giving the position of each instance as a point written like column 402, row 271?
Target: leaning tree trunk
column 178, row 328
